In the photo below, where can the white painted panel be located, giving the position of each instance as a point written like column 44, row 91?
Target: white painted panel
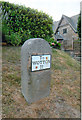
column 40, row 62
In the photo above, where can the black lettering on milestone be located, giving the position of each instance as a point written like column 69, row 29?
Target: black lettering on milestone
column 41, row 66
column 40, row 57
column 34, row 63
column 40, row 62
column 37, row 62
column 43, row 58
column 43, row 61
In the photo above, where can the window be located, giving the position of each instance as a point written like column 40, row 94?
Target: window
column 64, row 30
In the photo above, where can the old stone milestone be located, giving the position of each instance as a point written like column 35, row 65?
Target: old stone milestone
column 35, row 69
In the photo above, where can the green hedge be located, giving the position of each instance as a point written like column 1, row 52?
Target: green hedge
column 79, row 26
column 24, row 23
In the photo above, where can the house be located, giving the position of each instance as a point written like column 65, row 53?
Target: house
column 65, row 30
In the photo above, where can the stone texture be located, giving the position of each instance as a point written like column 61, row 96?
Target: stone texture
column 71, row 34
column 35, row 85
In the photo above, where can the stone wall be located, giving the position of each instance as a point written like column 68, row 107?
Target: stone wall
column 68, row 44
column 76, row 51
column 77, row 47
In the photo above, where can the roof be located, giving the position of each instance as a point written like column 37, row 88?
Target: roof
column 72, row 21
column 55, row 25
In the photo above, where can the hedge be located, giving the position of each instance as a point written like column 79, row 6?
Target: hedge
column 22, row 23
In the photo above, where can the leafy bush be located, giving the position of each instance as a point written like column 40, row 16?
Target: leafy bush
column 53, row 43
column 79, row 26
column 14, row 39
column 9, row 36
column 25, row 22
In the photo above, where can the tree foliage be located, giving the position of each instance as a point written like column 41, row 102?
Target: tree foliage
column 79, row 26
column 25, row 23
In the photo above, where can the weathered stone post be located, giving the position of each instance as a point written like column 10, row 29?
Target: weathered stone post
column 35, row 69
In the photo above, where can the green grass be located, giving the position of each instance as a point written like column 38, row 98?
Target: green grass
column 62, row 61
column 11, row 54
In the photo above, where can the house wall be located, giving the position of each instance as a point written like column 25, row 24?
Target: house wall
column 70, row 32
column 70, row 35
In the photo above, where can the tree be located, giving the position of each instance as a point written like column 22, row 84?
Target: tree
column 79, row 26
